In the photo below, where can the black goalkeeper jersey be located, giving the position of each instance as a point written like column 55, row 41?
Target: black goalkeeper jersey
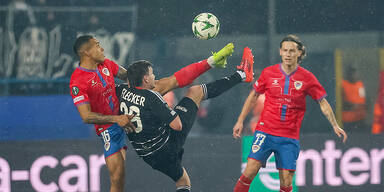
column 152, row 118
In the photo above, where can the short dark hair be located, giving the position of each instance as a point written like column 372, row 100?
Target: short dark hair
column 80, row 41
column 136, row 72
column 300, row 45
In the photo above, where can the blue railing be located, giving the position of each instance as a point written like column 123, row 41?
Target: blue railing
column 13, row 86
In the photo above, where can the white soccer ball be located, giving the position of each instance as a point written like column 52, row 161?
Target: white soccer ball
column 205, row 26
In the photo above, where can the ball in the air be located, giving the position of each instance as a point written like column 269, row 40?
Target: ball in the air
column 205, row 26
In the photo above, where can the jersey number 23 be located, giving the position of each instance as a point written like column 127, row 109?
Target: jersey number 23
column 136, row 119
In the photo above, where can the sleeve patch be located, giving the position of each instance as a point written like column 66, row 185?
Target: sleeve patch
column 75, row 90
column 77, row 99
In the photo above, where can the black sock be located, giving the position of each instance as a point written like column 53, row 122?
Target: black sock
column 218, row 87
column 183, row 190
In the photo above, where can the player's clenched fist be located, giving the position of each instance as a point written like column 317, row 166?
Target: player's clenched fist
column 124, row 121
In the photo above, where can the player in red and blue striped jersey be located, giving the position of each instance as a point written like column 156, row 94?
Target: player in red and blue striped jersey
column 92, row 87
column 93, row 91
column 285, row 86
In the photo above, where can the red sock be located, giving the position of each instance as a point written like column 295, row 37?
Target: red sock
column 286, row 189
column 242, row 184
column 188, row 74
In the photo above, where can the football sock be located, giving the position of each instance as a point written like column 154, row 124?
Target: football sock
column 211, row 61
column 218, row 87
column 183, row 189
column 286, row 189
column 242, row 75
column 188, row 74
column 242, row 184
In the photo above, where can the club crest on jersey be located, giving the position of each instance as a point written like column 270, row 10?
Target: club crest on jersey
column 75, row 90
column 105, row 71
column 298, row 85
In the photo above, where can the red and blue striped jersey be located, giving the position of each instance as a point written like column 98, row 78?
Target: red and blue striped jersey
column 285, row 94
column 97, row 88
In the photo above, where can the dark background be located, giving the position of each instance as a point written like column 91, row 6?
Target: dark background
column 37, row 116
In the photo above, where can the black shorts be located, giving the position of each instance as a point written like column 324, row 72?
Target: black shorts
column 168, row 159
column 187, row 111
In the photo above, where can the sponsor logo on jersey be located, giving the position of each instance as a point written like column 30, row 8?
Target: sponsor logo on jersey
column 105, row 71
column 183, row 109
column 172, row 111
column 79, row 98
column 298, row 85
column 257, row 83
column 75, row 90
column 94, row 82
column 275, row 82
column 107, row 92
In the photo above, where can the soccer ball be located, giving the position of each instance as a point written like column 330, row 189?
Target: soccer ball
column 205, row 26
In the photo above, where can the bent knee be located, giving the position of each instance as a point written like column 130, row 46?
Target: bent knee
column 196, row 94
column 195, row 90
column 252, row 168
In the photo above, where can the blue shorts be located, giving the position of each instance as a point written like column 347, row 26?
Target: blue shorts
column 286, row 150
column 113, row 140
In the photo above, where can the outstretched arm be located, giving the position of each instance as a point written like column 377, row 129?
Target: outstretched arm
column 248, row 105
column 328, row 112
column 90, row 117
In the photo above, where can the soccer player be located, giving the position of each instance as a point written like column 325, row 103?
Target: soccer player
column 160, row 131
column 92, row 88
column 285, row 86
column 93, row 91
